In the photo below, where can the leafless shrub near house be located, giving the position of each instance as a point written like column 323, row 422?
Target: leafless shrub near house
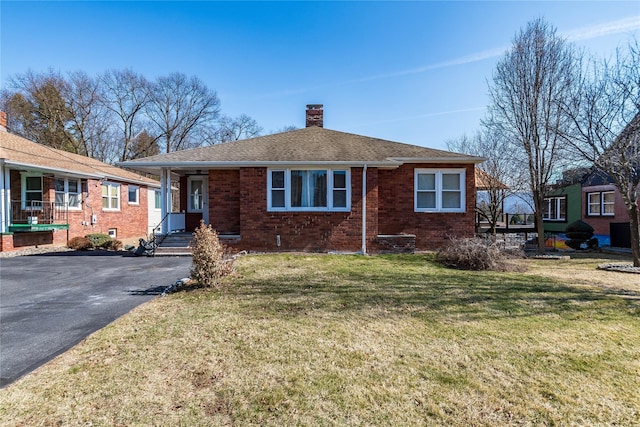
column 479, row 255
column 211, row 261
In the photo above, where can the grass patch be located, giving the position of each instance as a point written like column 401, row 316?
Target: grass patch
column 351, row 340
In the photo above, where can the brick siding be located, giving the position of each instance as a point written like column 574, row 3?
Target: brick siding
column 129, row 222
column 432, row 230
column 601, row 224
column 237, row 205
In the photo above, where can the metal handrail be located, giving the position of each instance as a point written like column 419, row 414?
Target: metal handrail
column 39, row 212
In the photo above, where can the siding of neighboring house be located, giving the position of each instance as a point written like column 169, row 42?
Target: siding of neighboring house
column 155, row 214
column 600, row 223
column 573, row 194
column 130, row 221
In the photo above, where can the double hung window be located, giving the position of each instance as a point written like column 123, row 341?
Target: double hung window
column 134, row 195
column 555, row 208
column 31, row 192
column 601, row 203
column 308, row 190
column 439, row 190
column 68, row 191
column 110, row 196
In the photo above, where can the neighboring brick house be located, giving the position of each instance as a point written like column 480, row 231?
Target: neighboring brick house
column 605, row 211
column 49, row 196
column 589, row 196
column 315, row 189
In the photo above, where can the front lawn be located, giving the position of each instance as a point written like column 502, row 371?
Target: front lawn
column 352, row 340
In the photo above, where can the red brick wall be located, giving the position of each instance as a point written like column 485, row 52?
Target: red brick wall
column 432, row 230
column 224, row 201
column 130, row 221
column 390, row 210
column 600, row 224
column 308, row 231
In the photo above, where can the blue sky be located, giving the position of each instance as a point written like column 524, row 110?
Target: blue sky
column 413, row 72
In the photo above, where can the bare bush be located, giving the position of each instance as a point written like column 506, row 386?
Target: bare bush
column 478, row 254
column 80, row 243
column 211, row 261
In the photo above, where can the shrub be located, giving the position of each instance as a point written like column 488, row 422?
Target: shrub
column 578, row 233
column 99, row 240
column 478, row 254
column 114, row 244
column 211, row 262
column 80, row 243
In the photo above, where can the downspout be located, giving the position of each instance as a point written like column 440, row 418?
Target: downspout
column 3, row 199
column 364, row 209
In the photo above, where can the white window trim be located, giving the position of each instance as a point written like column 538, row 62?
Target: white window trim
column 612, row 203
column 438, row 175
column 287, row 191
column 23, row 190
column 66, row 192
column 556, row 200
column 137, row 201
column 600, row 205
column 109, row 184
column 190, row 179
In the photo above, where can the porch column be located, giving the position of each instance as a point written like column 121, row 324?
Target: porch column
column 163, row 199
column 169, row 207
column 5, row 197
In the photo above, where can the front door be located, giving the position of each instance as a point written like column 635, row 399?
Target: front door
column 197, row 201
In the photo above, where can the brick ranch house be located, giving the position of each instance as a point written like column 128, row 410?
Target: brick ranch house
column 316, row 189
column 49, row 196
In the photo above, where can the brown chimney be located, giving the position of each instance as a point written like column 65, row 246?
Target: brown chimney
column 315, row 115
column 3, row 121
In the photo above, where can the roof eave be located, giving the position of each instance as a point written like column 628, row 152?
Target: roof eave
column 462, row 160
column 76, row 174
column 194, row 165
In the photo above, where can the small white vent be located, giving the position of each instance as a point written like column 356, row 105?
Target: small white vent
column 112, row 233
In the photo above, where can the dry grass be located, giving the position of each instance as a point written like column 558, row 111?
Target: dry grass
column 346, row 340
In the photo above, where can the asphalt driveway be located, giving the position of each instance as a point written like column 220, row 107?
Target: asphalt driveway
column 50, row 302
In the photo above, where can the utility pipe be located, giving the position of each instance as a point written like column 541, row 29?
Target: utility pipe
column 364, row 209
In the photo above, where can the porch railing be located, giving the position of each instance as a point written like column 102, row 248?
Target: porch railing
column 39, row 212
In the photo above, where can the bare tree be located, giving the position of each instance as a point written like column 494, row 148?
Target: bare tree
column 529, row 81
column 179, row 106
column 496, row 178
column 233, row 129
column 125, row 94
column 89, row 121
column 605, row 111
column 37, row 109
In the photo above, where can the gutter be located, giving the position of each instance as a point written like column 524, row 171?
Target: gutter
column 75, row 174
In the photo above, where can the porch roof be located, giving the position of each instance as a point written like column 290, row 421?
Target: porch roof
column 308, row 146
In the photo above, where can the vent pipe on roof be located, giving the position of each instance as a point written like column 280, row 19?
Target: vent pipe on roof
column 315, row 115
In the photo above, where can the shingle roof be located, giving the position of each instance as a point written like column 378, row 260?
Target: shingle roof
column 484, row 181
column 19, row 151
column 308, row 145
